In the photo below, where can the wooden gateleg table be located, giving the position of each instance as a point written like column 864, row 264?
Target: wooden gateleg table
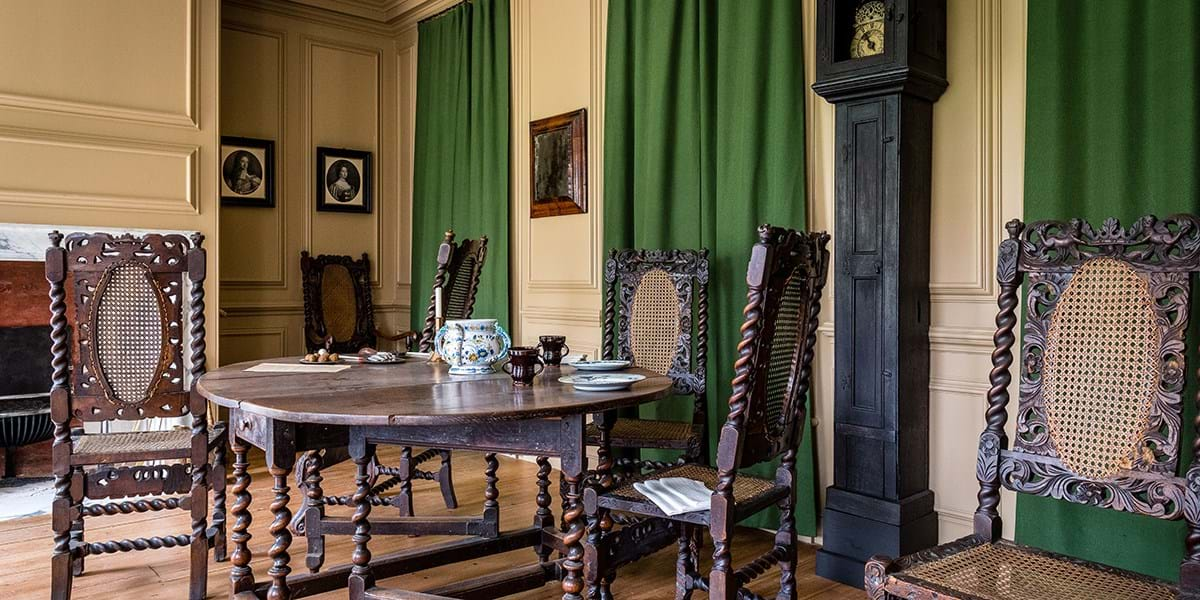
column 412, row 404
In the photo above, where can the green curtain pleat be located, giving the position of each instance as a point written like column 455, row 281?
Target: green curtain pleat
column 461, row 162
column 1112, row 129
column 704, row 141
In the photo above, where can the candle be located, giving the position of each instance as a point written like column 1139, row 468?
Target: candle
column 437, row 302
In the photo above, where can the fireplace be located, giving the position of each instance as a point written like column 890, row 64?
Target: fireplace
column 25, row 426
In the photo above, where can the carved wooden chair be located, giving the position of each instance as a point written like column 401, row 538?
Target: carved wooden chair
column 653, row 298
column 785, row 278
column 1099, row 421
column 459, row 268
column 118, row 356
column 337, row 304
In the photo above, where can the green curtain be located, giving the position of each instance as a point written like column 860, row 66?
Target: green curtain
column 1112, row 129
column 703, row 142
column 461, row 163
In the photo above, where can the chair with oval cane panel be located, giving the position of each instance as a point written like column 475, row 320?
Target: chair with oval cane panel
column 785, row 277
column 135, row 303
column 459, row 268
column 656, row 316
column 1099, row 419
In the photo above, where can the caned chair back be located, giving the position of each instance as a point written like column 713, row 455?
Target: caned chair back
column 337, row 302
column 1102, row 362
column 656, row 313
column 459, row 267
column 118, row 353
column 785, row 278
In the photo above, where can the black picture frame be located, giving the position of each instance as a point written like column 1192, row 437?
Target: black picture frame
column 337, row 192
column 260, row 155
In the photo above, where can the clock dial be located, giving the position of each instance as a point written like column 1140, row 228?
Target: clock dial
column 869, row 18
column 868, row 40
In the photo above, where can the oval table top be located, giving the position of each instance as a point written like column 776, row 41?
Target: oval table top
column 415, row 392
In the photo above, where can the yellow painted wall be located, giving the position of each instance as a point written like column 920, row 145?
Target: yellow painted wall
column 305, row 81
column 108, row 117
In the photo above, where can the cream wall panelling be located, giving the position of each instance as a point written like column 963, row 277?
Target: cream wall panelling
column 88, row 83
column 108, row 119
column 557, row 261
column 974, row 192
column 337, row 86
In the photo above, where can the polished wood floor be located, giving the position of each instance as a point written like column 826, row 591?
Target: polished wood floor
column 25, row 547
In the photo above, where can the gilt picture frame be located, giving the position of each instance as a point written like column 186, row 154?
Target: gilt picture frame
column 343, row 180
column 558, row 165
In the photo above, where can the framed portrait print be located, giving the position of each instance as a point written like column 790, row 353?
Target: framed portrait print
column 247, row 172
column 558, row 165
column 343, row 180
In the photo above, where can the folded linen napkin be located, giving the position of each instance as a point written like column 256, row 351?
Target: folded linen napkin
column 676, row 495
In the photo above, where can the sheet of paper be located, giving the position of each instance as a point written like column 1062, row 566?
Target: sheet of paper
column 296, row 368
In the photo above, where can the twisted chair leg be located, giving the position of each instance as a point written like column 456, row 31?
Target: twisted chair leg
column 446, row 481
column 220, row 550
column 77, row 538
column 684, row 563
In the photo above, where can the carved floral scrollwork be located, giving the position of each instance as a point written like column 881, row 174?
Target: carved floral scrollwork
column 1147, row 494
column 1150, row 244
column 988, row 460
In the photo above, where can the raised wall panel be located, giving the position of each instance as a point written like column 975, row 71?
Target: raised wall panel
column 252, row 95
column 557, row 261
column 63, row 170
column 253, row 343
column 343, row 112
column 94, row 59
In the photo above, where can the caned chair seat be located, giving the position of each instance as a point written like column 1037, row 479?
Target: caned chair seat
column 749, row 493
column 137, row 445
column 970, row 568
column 645, row 433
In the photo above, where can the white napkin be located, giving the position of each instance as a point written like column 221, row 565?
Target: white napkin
column 296, row 368
column 676, row 495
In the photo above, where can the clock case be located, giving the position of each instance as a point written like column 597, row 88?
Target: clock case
column 880, row 501
column 913, row 60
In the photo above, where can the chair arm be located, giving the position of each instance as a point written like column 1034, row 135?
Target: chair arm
column 409, row 337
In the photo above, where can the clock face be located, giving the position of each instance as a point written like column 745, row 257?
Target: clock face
column 868, row 29
column 867, row 40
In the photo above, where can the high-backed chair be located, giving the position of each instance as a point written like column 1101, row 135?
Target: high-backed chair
column 1100, row 414
column 337, row 304
column 135, row 303
column 459, row 267
column 766, row 416
column 656, row 315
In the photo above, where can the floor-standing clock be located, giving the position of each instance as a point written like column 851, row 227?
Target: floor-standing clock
column 883, row 64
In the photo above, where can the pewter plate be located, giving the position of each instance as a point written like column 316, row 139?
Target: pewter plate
column 601, row 365
column 606, row 382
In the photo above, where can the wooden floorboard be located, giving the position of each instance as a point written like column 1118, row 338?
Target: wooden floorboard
column 162, row 574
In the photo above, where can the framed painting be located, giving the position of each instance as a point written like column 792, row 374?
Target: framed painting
column 247, row 172
column 343, row 180
column 558, row 165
